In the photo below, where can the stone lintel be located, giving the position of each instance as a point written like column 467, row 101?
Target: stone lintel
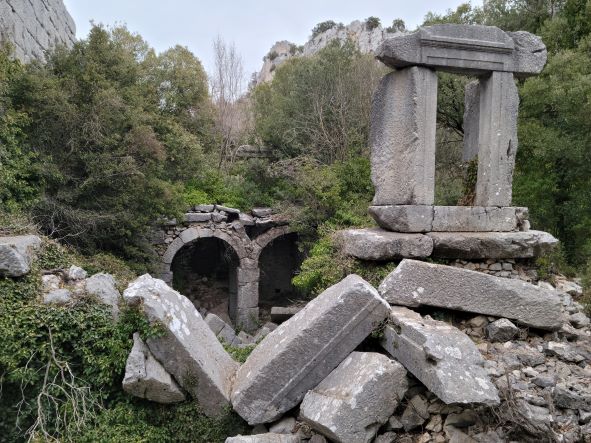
column 424, row 218
column 381, row 245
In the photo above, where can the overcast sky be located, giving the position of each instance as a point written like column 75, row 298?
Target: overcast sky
column 253, row 25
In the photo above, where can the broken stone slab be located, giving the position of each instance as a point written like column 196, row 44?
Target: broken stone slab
column 215, row 323
column 442, row 357
column 402, row 138
column 465, row 49
column 497, row 139
column 284, row 426
column 476, row 218
column 188, row 349
column 471, row 120
column 16, row 254
column 198, row 217
column 262, row 212
column 564, row 397
column 414, row 283
column 103, row 286
column 501, row 330
column 301, row 352
column 203, row 208
column 146, row 378
column 493, row 245
column 381, row 245
column 279, row 314
column 75, row 273
column 227, row 210
column 403, row 218
column 356, row 399
column 264, row 438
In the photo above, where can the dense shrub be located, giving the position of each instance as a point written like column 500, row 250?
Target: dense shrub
column 323, row 27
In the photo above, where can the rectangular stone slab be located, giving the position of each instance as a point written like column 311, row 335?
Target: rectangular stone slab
column 381, row 245
column 441, row 356
column 414, row 283
column 495, row 245
column 465, row 49
column 402, row 138
column 476, row 218
column 471, row 120
column 188, row 350
column 301, row 352
column 403, row 218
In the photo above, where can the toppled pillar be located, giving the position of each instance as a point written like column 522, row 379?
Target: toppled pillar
column 188, row 349
column 146, row 378
column 497, row 139
column 442, row 357
column 402, row 138
column 356, row 399
column 414, row 283
column 301, row 352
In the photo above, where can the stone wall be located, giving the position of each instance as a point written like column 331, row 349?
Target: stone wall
column 35, row 26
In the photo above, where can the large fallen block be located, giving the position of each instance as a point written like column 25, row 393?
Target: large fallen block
column 16, row 254
column 146, row 378
column 188, row 349
column 301, row 352
column 442, row 357
column 379, row 244
column 414, row 283
column 356, row 399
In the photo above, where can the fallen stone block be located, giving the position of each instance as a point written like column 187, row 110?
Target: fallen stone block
column 414, row 283
column 475, row 218
column 215, row 323
column 58, row 297
column 75, row 273
column 378, row 244
column 301, row 352
column 197, row 217
column 494, row 245
column 103, row 286
column 284, row 426
column 188, row 349
column 262, row 212
column 146, row 378
column 264, row 438
column 442, row 357
column 501, row 330
column 16, row 254
column 356, row 399
column 279, row 314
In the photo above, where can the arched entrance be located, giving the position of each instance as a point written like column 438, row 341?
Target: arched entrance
column 204, row 270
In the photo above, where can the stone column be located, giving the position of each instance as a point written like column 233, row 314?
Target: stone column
column 471, row 120
column 402, row 138
column 246, row 306
column 497, row 139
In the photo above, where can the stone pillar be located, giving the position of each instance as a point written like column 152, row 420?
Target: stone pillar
column 497, row 139
column 402, row 138
column 471, row 120
column 245, row 310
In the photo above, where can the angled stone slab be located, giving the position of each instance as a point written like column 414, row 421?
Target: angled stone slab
column 466, row 49
column 301, row 352
column 495, row 245
column 414, row 283
column 402, row 138
column 146, row 378
column 188, row 349
column 381, row 245
column 403, row 218
column 477, row 218
column 497, row 139
column 441, row 356
column 16, row 254
column 356, row 399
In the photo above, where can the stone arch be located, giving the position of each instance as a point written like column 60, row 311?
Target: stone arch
column 264, row 239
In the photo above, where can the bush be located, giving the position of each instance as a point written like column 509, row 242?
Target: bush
column 323, row 27
column 372, row 23
column 398, row 25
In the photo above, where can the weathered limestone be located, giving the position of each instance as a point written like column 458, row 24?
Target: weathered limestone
column 403, row 218
column 501, row 330
column 58, row 297
column 279, row 314
column 146, row 378
column 356, row 399
column 264, row 438
column 188, row 349
column 416, row 283
column 378, row 244
column 301, row 352
column 471, row 120
column 497, row 139
column 16, row 254
column 443, row 358
column 495, row 245
column 467, row 49
column 402, row 138
column 103, row 286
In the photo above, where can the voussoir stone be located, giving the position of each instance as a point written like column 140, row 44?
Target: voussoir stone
column 146, row 378
column 188, row 349
column 356, row 399
column 441, row 356
column 16, row 254
column 379, row 244
column 414, row 283
column 494, row 245
column 301, row 352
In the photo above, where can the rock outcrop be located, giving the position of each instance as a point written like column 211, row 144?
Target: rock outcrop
column 16, row 254
column 35, row 26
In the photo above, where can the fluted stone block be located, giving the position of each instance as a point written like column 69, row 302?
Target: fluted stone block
column 402, row 138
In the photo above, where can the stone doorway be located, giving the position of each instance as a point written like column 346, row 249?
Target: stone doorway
column 205, row 270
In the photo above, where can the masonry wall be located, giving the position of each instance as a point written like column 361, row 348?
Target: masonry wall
column 34, row 26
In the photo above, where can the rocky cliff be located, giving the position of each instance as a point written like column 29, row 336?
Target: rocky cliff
column 367, row 39
column 34, row 26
